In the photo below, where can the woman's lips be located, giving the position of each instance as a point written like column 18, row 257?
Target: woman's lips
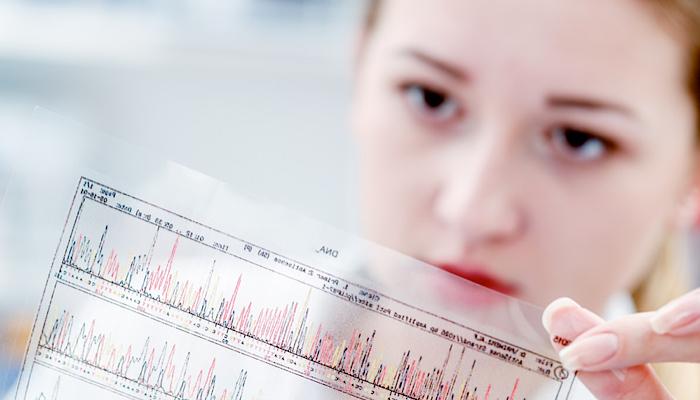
column 478, row 276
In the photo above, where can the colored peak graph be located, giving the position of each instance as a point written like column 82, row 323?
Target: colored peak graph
column 161, row 367
column 286, row 327
column 144, row 303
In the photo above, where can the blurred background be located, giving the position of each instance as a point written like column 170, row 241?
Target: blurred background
column 252, row 92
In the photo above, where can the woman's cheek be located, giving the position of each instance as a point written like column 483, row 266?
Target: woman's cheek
column 608, row 233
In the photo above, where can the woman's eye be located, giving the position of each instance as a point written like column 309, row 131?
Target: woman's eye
column 579, row 144
column 432, row 103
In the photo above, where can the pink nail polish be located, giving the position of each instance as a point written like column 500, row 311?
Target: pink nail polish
column 590, row 352
column 680, row 323
column 678, row 317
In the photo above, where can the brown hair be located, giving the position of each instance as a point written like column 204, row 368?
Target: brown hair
column 667, row 277
column 682, row 17
column 372, row 13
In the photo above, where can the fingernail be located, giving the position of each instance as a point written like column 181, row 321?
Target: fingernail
column 674, row 323
column 552, row 308
column 589, row 352
column 677, row 317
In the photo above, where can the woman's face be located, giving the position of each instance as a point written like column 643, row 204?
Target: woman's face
column 539, row 147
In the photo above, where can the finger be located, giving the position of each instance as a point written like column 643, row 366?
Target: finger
column 628, row 341
column 566, row 322
column 679, row 317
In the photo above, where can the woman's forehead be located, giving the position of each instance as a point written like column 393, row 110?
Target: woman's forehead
column 576, row 45
column 535, row 25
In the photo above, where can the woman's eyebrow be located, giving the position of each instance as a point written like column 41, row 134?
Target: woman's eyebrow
column 588, row 104
column 446, row 67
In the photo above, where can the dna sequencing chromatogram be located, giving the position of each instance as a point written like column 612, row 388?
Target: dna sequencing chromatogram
column 143, row 303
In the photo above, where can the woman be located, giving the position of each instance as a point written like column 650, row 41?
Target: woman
column 544, row 148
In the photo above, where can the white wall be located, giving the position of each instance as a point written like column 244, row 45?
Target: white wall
column 254, row 93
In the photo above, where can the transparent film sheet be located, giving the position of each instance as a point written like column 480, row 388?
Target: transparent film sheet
column 167, row 285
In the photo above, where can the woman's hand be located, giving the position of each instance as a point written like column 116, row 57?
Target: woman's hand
column 612, row 357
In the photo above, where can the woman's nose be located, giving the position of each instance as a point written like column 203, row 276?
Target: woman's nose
column 477, row 197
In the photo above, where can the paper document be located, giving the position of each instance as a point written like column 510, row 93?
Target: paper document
column 244, row 301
